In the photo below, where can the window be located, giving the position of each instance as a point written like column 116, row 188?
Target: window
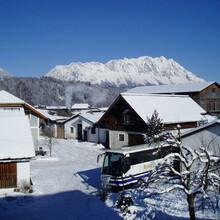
column 148, row 155
column 214, row 106
column 121, row 137
column 71, row 129
column 93, row 130
column 128, row 117
column 113, row 164
column 213, row 90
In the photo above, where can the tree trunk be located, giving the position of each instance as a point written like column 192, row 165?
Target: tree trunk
column 50, row 146
column 190, row 200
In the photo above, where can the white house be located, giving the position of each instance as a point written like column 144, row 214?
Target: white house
column 8, row 100
column 81, row 127
column 205, row 135
column 16, row 148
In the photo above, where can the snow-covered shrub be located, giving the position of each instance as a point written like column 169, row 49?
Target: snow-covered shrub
column 124, row 202
column 24, row 187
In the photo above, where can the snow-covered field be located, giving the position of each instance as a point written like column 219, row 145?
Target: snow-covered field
column 66, row 187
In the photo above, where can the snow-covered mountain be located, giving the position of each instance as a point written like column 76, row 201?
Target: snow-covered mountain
column 4, row 73
column 126, row 72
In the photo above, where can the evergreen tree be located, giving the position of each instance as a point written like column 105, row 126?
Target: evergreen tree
column 154, row 128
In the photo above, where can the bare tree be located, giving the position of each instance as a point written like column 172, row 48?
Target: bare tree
column 49, row 140
column 198, row 173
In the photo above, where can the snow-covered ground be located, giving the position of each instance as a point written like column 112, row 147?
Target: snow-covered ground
column 66, row 187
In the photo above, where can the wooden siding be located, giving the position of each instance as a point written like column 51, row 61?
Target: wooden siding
column 135, row 139
column 8, row 175
column 114, row 119
column 183, row 125
column 208, row 98
column 60, row 131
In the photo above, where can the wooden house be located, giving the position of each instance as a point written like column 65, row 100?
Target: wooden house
column 16, row 148
column 8, row 100
column 127, row 118
column 206, row 94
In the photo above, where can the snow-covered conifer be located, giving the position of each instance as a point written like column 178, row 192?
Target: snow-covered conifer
column 154, row 128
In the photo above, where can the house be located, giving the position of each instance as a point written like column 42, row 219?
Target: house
column 207, row 134
column 206, row 94
column 16, row 148
column 81, row 126
column 8, row 100
column 53, row 126
column 55, row 110
column 128, row 116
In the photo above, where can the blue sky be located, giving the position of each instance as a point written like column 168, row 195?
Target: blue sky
column 37, row 35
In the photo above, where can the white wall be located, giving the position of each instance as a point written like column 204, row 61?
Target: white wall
column 203, row 138
column 86, row 125
column 114, row 142
column 93, row 137
column 23, row 172
column 72, row 123
column 102, row 135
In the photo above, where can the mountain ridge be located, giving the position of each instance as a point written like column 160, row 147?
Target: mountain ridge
column 126, row 72
column 4, row 73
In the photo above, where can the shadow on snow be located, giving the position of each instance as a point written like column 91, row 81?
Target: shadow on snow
column 63, row 205
column 91, row 177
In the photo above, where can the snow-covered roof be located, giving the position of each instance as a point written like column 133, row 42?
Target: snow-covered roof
column 7, row 98
column 80, row 106
column 170, row 108
column 15, row 136
column 173, row 88
column 56, row 107
column 104, row 109
column 93, row 117
column 191, row 131
column 51, row 117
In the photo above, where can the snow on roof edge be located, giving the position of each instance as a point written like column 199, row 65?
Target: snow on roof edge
column 186, row 133
column 150, row 94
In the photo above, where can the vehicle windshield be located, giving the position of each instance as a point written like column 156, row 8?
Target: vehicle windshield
column 113, row 164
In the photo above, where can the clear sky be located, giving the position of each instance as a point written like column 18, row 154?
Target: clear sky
column 37, row 35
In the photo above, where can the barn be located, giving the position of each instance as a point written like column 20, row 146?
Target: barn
column 16, row 148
